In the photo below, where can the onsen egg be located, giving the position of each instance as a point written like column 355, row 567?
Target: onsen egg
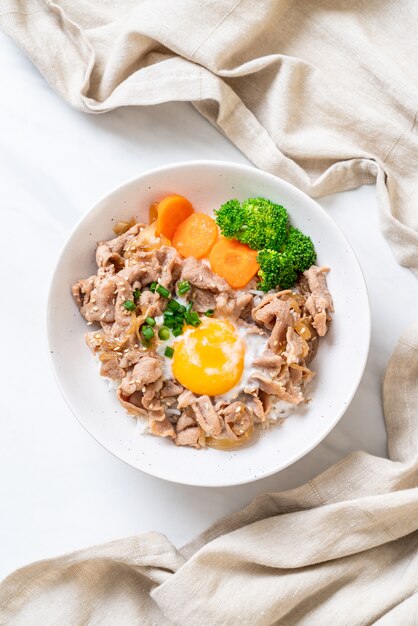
column 209, row 359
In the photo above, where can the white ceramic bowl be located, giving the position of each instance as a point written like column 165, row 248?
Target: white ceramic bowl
column 339, row 363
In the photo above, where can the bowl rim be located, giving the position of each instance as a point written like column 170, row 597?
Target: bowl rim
column 95, row 209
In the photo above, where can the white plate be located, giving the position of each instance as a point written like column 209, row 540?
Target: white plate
column 339, row 363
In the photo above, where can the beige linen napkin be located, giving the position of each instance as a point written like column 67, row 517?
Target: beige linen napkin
column 324, row 94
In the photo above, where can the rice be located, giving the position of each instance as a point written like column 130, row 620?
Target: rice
column 279, row 410
column 142, row 425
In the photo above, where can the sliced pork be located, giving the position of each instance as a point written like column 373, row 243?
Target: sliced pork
column 296, row 347
column 200, row 275
column 206, row 415
column 238, row 417
column 146, row 371
column 271, row 308
column 111, row 369
column 162, row 428
column 319, row 303
column 109, row 254
column 232, row 306
column 171, row 388
column 203, row 300
column 189, row 437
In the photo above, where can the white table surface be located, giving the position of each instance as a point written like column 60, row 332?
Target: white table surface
column 59, row 490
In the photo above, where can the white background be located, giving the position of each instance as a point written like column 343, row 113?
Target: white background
column 59, row 490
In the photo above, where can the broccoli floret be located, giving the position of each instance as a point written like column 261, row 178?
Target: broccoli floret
column 266, row 224
column 230, row 219
column 276, row 269
column 258, row 222
column 301, row 249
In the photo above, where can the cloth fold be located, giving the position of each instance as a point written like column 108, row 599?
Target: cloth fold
column 322, row 93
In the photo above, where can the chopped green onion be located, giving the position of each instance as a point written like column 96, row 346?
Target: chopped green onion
column 137, row 293
column 153, row 286
column 147, row 332
column 129, row 305
column 183, row 287
column 173, row 305
column 209, row 312
column 192, row 318
column 145, row 342
column 150, row 321
column 169, row 351
column 164, row 333
column 162, row 291
column 176, row 315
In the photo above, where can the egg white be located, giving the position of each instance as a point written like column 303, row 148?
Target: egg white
column 254, row 347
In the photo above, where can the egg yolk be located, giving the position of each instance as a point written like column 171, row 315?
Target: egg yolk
column 209, row 359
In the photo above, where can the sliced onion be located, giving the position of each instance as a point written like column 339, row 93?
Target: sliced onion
column 147, row 241
column 302, row 330
column 106, row 355
column 302, row 368
column 121, row 227
column 153, row 212
column 229, row 443
column 296, row 300
column 114, row 344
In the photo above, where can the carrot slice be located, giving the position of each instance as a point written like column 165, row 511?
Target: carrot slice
column 234, row 261
column 172, row 210
column 195, row 236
